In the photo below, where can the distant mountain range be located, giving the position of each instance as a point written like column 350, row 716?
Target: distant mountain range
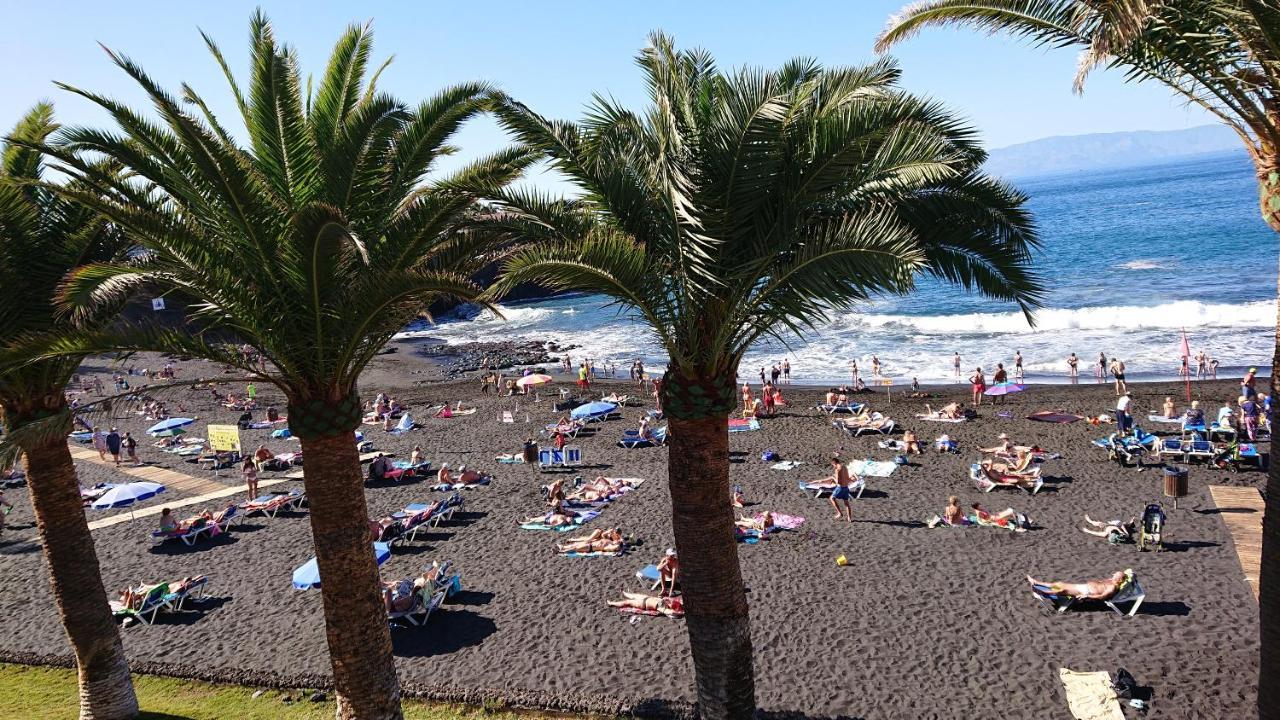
column 1054, row 155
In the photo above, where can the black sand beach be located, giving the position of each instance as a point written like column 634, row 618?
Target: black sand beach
column 922, row 623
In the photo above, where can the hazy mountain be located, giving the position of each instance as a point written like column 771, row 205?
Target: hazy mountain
column 1053, row 155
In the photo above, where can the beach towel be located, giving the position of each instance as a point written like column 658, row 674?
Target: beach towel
column 638, row 611
column 1050, row 416
column 628, row 484
column 1162, row 419
column 583, row 516
column 1090, row 696
column 743, row 424
column 281, row 434
column 935, row 418
column 786, row 465
column 620, row 553
column 784, row 522
column 508, row 459
column 871, row 468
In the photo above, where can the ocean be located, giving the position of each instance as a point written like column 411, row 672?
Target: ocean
column 1131, row 257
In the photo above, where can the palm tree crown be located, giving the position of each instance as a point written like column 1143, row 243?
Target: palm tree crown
column 43, row 236
column 316, row 242
column 744, row 204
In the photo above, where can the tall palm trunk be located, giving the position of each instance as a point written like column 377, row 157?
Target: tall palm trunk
column 364, row 671
column 106, row 690
column 715, row 598
column 1268, row 171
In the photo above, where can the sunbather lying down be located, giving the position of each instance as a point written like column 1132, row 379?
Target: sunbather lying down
column 763, row 523
column 601, row 488
column 1088, row 590
column 950, row 411
column 132, row 598
column 1004, row 475
column 601, row 541
column 558, row 517
column 1114, row 531
column 671, row 606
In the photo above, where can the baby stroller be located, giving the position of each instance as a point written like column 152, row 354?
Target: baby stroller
column 1151, row 534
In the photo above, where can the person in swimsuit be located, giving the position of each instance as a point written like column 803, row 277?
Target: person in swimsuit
column 1089, row 590
column 1167, row 408
column 762, row 525
column 955, row 364
column 1113, row 531
column 671, row 606
column 840, row 493
column 1073, row 365
column 1017, row 364
column 979, row 383
column 1117, row 372
column 668, row 572
column 599, row 541
column 911, row 443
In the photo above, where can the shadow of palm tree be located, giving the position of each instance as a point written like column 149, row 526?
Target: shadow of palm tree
column 449, row 629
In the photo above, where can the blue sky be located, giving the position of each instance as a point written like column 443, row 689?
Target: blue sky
column 553, row 55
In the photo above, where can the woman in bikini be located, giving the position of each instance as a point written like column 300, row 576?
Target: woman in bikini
column 1089, row 590
column 671, row 606
column 979, row 383
column 599, row 541
column 762, row 525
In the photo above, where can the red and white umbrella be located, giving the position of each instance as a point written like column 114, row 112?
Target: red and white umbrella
column 534, row 380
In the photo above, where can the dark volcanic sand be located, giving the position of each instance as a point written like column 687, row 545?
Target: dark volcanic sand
column 921, row 624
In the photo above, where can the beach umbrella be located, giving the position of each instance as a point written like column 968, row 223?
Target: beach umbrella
column 1005, row 389
column 592, row 409
column 307, row 576
column 127, row 494
column 170, row 424
column 534, row 380
column 170, row 432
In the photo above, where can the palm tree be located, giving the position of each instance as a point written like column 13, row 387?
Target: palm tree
column 1222, row 55
column 42, row 237
column 746, row 205
column 314, row 244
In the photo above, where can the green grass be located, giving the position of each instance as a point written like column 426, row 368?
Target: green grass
column 42, row 693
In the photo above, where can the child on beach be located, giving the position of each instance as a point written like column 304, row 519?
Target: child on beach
column 841, row 493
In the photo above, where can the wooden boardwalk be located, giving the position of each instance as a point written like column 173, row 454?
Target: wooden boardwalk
column 1241, row 510
column 198, row 490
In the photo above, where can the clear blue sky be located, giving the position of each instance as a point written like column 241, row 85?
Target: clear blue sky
column 553, row 55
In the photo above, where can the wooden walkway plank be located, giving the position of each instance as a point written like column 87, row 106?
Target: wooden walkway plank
column 203, row 490
column 1241, row 511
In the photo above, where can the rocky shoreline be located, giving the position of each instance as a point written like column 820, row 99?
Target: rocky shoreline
column 456, row 360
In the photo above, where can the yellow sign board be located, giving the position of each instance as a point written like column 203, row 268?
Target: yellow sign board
column 224, row 438
column 884, row 382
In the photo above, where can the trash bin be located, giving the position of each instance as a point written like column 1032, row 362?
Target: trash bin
column 1175, row 482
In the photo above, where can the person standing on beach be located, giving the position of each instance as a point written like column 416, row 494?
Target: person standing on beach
column 763, row 378
column 1073, row 366
column 853, row 372
column 113, row 445
column 979, row 383
column 774, row 374
column 251, row 391
column 999, row 377
column 1247, row 383
column 840, row 493
column 1017, row 364
column 1117, row 372
column 875, row 366
column 583, row 382
column 1101, row 371
column 1124, row 420
column 1213, row 368
column 131, row 448
column 100, row 444
column 955, row 363
column 250, row 472
column 786, row 371
column 1202, row 365
column 1184, row 370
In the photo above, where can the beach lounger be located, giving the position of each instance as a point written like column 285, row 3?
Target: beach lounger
column 1129, row 592
column 821, row 490
column 190, row 535
column 631, row 438
column 1187, row 449
column 420, row 612
column 876, row 424
column 166, row 597
column 1222, row 433
column 569, row 429
column 841, row 408
column 571, row 456
column 273, row 504
column 987, row 484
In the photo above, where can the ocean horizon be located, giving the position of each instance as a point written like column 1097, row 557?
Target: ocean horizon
column 1130, row 257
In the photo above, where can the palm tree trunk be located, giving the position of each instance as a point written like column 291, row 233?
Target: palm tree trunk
column 106, row 690
column 1268, row 170
column 715, row 598
column 364, row 671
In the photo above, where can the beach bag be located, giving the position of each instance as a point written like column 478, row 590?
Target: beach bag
column 769, row 456
column 1124, row 684
column 901, row 460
